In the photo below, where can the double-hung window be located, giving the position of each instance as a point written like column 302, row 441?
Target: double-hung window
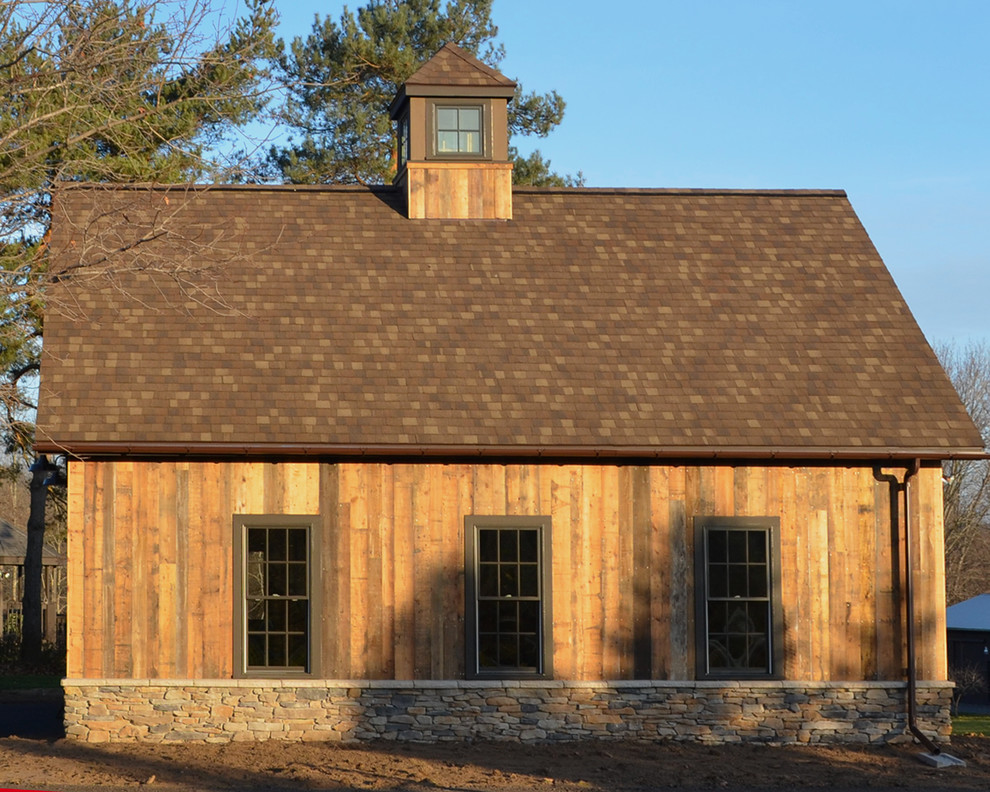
column 276, row 613
column 508, row 608
column 737, row 571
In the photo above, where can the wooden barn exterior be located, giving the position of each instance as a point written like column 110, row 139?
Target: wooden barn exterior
column 449, row 460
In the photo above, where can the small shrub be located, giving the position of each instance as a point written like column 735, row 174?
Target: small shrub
column 12, row 623
column 50, row 663
column 10, row 650
column 969, row 679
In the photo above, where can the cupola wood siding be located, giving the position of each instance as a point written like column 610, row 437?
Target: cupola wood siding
column 453, row 139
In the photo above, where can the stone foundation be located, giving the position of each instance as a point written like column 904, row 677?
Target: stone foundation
column 154, row 710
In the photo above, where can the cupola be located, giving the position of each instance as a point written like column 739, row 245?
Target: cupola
column 453, row 144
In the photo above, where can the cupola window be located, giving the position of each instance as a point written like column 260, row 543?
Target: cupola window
column 404, row 141
column 458, row 130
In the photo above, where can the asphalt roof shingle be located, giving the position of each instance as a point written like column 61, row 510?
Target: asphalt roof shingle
column 454, row 66
column 659, row 322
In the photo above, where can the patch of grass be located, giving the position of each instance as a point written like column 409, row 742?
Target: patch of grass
column 971, row 724
column 29, row 681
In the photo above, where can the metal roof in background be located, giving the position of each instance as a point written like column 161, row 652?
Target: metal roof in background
column 13, row 547
column 971, row 614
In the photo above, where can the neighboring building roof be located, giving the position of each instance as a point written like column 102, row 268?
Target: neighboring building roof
column 13, row 547
column 971, row 614
column 652, row 323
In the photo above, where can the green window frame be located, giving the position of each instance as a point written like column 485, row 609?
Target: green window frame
column 276, row 599
column 458, row 129
column 508, row 605
column 739, row 625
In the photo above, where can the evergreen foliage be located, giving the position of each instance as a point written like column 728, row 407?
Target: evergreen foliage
column 340, row 79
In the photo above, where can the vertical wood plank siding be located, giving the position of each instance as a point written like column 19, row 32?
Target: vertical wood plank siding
column 151, row 567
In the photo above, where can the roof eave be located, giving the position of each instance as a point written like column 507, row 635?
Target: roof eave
column 90, row 450
column 445, row 91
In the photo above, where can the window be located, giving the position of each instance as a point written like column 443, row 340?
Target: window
column 458, row 129
column 274, row 625
column 738, row 605
column 508, row 613
column 403, row 140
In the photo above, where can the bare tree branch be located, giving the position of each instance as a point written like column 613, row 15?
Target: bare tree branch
column 966, row 490
column 105, row 91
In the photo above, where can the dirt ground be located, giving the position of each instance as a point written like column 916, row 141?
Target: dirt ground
column 500, row 767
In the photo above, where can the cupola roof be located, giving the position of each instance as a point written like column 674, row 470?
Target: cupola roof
column 454, row 71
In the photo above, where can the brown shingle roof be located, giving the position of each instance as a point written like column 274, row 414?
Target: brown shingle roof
column 456, row 67
column 647, row 322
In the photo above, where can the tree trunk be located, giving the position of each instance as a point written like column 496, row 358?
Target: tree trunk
column 31, row 602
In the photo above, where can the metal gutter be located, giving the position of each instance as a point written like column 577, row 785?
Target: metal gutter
column 512, row 452
column 896, row 488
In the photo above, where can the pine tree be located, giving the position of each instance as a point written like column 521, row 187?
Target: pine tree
column 340, row 79
column 108, row 91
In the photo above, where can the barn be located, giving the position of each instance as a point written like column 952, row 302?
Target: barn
column 455, row 460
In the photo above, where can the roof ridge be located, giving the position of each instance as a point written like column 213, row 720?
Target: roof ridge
column 390, row 188
column 804, row 191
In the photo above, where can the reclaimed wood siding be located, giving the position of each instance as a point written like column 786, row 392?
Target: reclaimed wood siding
column 459, row 190
column 151, row 568
column 151, row 565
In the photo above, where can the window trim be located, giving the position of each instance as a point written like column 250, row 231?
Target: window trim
column 472, row 526
column 776, row 622
column 241, row 524
column 483, row 105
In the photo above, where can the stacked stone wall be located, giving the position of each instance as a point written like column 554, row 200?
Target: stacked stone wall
column 352, row 711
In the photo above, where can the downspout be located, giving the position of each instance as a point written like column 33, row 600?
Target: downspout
column 912, row 669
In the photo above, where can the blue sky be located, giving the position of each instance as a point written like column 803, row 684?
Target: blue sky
column 886, row 99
